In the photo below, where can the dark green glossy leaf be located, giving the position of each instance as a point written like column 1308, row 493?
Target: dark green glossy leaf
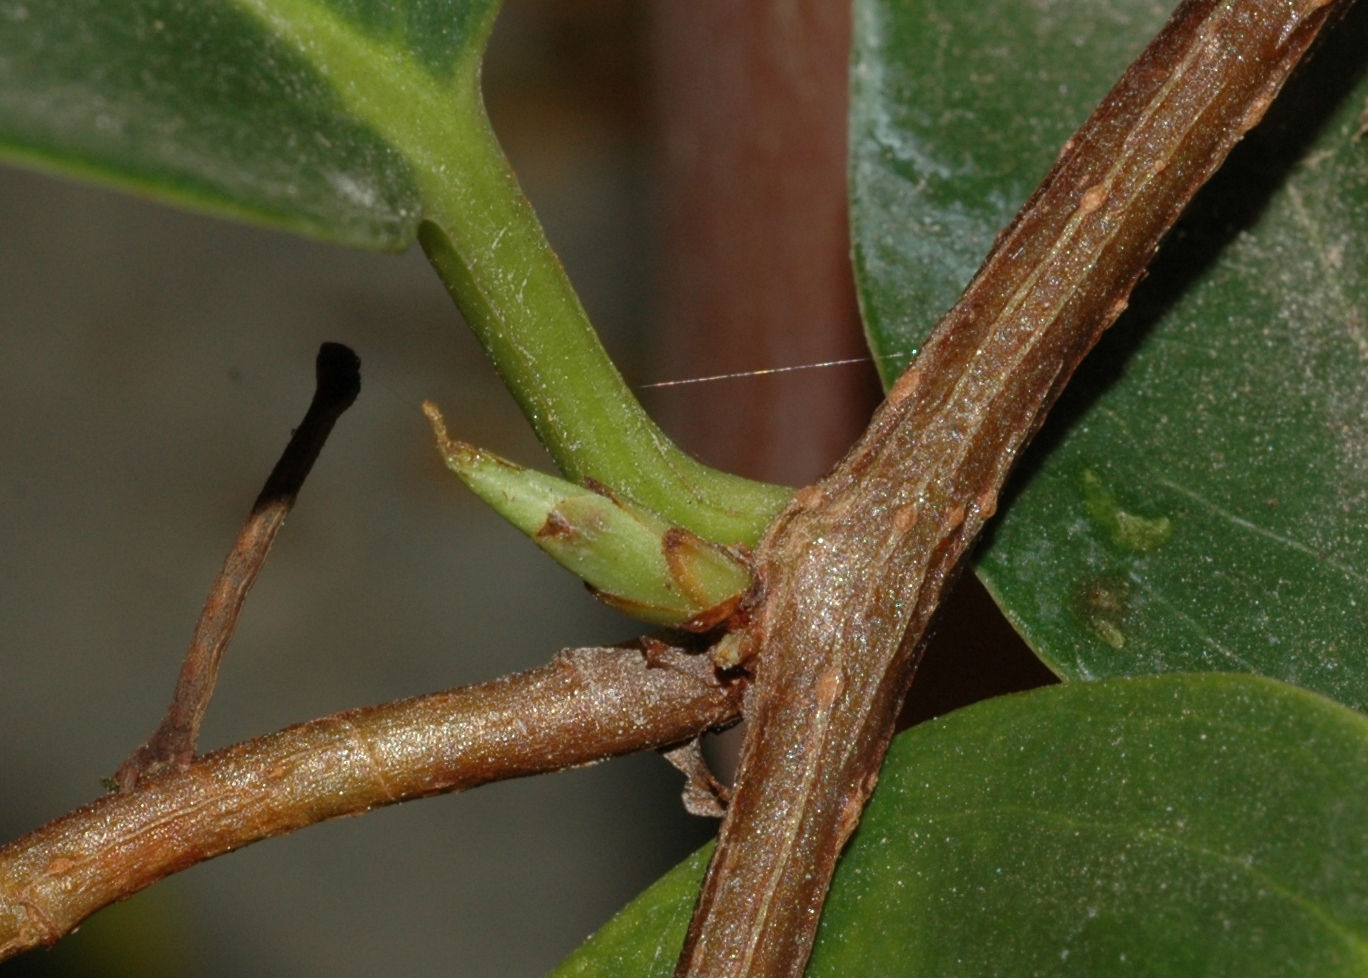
column 644, row 940
column 359, row 121
column 1181, row 825
column 1199, row 500
column 209, row 103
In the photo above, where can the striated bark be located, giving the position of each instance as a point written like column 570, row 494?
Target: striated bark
column 856, row 566
column 852, row 571
column 585, row 706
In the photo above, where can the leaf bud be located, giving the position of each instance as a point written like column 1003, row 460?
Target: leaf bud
column 631, row 558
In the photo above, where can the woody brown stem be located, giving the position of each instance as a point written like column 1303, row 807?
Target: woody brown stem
column 852, row 571
column 583, row 707
column 855, row 567
column 172, row 746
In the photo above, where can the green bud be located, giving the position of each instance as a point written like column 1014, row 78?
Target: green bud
column 632, row 558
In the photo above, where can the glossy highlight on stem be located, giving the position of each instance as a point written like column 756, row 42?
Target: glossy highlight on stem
column 586, row 705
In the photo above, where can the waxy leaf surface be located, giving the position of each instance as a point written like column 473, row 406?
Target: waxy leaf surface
column 1198, row 500
column 208, row 104
column 1210, row 825
column 359, row 121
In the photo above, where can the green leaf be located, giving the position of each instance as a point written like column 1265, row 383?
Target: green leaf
column 1198, row 499
column 1181, row 825
column 209, row 104
column 359, row 121
column 645, row 938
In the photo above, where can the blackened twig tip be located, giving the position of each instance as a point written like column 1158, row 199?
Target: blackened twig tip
column 338, row 374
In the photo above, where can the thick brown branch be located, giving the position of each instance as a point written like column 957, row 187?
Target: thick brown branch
column 172, row 745
column 583, row 707
column 855, row 568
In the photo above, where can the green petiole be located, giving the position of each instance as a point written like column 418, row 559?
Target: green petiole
column 489, row 249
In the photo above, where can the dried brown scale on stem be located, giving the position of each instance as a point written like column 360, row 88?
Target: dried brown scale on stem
column 855, row 568
column 172, row 746
column 584, row 706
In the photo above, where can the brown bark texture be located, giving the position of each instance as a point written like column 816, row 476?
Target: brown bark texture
column 856, row 566
column 851, row 572
column 585, row 706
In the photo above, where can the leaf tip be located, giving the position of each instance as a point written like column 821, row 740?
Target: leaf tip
column 459, row 455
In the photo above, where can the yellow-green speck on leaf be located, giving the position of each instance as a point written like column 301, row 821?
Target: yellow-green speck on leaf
column 1127, row 530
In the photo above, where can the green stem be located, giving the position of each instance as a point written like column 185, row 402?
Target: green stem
column 487, row 245
column 483, row 238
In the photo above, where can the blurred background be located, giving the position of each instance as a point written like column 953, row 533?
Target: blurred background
column 687, row 160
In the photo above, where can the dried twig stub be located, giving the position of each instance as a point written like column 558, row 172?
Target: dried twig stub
column 172, row 747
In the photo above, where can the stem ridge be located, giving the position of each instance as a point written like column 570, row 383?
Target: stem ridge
column 854, row 571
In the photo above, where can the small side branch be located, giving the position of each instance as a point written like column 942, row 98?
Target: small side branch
column 172, row 746
column 586, row 705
